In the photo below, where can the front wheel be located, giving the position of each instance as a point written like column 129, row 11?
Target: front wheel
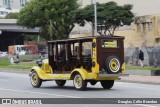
column 60, row 82
column 79, row 83
column 107, row 84
column 35, row 80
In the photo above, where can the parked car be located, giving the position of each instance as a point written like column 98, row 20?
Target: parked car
column 3, row 54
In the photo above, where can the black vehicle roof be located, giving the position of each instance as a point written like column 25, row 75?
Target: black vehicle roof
column 87, row 38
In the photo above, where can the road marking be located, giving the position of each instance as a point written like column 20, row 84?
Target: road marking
column 145, row 105
column 38, row 93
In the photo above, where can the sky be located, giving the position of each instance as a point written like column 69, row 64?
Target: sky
column 140, row 7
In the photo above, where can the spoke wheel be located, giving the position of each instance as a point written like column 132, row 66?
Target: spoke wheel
column 112, row 65
column 79, row 83
column 35, row 80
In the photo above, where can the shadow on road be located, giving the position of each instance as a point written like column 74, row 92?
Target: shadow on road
column 72, row 88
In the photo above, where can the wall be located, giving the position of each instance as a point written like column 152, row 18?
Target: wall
column 145, row 36
column 151, row 56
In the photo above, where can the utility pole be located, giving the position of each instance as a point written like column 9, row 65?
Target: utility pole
column 50, row 26
column 95, row 18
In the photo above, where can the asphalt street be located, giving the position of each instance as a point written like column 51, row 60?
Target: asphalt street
column 15, row 85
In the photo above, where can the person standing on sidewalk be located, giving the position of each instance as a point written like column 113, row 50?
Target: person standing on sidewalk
column 141, row 58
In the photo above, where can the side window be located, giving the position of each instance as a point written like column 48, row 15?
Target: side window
column 74, row 49
column 86, row 48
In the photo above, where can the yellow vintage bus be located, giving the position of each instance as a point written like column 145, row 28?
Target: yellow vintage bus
column 84, row 60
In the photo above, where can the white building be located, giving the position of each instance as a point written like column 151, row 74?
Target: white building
column 13, row 4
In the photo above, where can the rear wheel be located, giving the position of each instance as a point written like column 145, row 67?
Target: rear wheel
column 60, row 82
column 35, row 80
column 79, row 83
column 92, row 82
column 107, row 84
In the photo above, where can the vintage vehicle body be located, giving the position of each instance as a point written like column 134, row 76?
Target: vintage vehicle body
column 86, row 59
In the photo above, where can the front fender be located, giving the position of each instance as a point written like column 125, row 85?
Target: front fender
column 40, row 72
column 81, row 71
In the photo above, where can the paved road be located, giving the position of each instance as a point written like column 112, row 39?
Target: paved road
column 14, row 85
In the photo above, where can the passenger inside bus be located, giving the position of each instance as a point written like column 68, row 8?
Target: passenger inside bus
column 62, row 55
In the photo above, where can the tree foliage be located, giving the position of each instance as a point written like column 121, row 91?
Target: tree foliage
column 12, row 16
column 109, row 16
column 52, row 16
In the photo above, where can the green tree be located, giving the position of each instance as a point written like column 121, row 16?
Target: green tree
column 109, row 15
column 12, row 16
column 53, row 17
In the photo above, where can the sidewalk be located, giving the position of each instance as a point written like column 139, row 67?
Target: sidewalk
column 142, row 79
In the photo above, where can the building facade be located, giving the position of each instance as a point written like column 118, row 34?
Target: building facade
column 144, row 34
column 13, row 4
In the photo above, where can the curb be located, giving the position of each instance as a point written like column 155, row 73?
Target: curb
column 141, row 82
column 13, row 70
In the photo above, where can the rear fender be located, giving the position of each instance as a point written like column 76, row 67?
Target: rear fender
column 81, row 71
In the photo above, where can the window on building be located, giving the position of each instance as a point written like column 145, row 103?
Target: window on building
column 23, row 2
column 138, row 27
column 159, row 22
column 144, row 27
column 150, row 26
column 5, row 2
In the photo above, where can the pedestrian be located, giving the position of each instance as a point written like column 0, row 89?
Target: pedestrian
column 17, row 58
column 11, row 59
column 62, row 54
column 141, row 57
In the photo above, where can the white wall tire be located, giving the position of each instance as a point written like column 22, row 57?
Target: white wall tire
column 79, row 83
column 35, row 80
column 112, row 65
